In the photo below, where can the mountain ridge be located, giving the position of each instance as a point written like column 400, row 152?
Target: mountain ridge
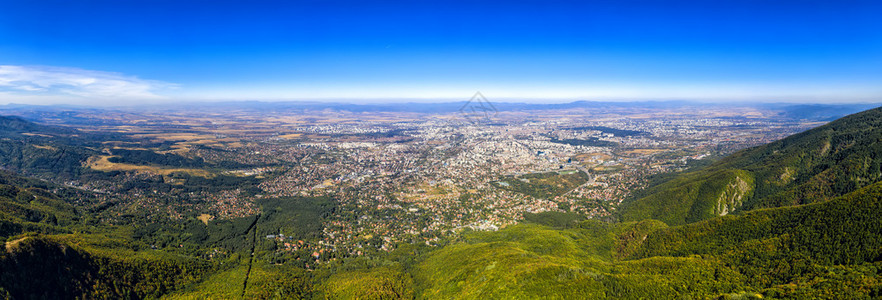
column 812, row 166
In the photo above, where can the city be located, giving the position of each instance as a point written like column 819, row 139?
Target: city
column 405, row 177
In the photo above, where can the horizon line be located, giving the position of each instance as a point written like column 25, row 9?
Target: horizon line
column 441, row 101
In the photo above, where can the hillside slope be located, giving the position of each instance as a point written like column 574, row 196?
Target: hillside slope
column 813, row 166
column 55, row 250
column 53, row 246
column 830, row 250
column 28, row 205
column 57, row 267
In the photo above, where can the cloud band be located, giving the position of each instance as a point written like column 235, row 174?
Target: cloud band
column 59, row 81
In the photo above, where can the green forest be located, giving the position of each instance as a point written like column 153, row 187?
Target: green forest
column 814, row 166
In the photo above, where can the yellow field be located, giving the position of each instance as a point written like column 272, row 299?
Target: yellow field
column 45, row 147
column 176, row 136
column 643, row 151
column 132, row 148
column 119, row 143
column 101, row 163
column 178, row 148
column 36, row 134
column 291, row 136
column 205, row 218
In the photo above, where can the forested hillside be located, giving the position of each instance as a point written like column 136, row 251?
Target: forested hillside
column 824, row 250
column 58, row 268
column 813, row 166
column 28, row 205
column 56, row 248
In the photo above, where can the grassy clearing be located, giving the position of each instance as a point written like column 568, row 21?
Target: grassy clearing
column 37, row 134
column 176, row 136
column 205, row 218
column 101, row 163
column 11, row 244
column 45, row 147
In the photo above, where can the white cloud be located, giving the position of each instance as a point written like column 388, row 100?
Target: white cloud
column 65, row 83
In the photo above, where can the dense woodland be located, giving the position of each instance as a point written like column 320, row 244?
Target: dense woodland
column 814, row 166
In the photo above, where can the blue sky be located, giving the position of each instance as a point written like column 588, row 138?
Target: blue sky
column 113, row 52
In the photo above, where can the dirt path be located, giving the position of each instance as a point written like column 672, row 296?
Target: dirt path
column 251, row 258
